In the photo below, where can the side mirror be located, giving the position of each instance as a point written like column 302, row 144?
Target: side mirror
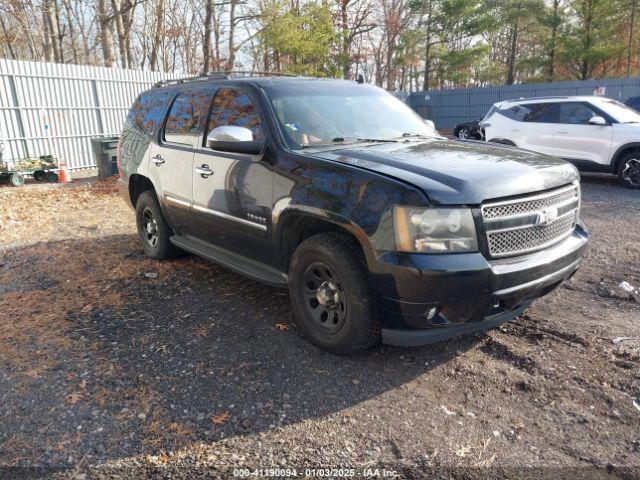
column 230, row 138
column 430, row 123
column 597, row 120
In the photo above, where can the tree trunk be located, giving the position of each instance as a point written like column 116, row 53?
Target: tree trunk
column 554, row 37
column 117, row 16
column 630, row 42
column 206, row 41
column 157, row 36
column 585, row 66
column 8, row 39
column 47, row 47
column 232, row 28
column 346, row 44
column 106, row 38
column 513, row 51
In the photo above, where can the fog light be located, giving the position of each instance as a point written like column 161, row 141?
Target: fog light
column 432, row 312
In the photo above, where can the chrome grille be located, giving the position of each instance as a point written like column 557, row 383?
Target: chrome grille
column 531, row 223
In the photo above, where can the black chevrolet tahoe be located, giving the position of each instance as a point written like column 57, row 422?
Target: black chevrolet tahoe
column 381, row 229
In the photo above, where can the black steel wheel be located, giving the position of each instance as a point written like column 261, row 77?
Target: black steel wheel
column 326, row 300
column 331, row 296
column 629, row 170
column 153, row 231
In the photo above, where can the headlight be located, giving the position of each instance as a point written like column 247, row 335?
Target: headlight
column 434, row 230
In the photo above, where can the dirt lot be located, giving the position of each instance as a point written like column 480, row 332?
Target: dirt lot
column 115, row 365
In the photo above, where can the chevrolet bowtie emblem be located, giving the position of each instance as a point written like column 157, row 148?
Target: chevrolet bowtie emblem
column 546, row 216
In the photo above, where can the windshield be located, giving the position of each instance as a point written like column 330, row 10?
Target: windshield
column 315, row 112
column 619, row 111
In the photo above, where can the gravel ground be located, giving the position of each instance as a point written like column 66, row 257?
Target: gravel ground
column 116, row 366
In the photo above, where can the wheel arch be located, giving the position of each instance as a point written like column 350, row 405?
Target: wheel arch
column 138, row 184
column 297, row 224
column 616, row 159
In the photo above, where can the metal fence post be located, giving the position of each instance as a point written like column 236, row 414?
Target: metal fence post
column 96, row 102
column 18, row 110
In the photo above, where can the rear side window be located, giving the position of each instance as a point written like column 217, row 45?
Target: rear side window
column 235, row 107
column 146, row 113
column 516, row 112
column 184, row 118
column 542, row 113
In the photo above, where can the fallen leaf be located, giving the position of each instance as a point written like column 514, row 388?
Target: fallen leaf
column 221, row 418
column 355, row 381
column 162, row 349
column 282, row 326
column 73, row 397
column 83, row 384
column 87, row 308
column 463, row 451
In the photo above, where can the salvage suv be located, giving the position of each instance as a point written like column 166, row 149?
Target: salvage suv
column 380, row 228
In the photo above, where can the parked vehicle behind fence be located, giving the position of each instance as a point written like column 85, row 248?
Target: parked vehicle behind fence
column 380, row 228
column 594, row 133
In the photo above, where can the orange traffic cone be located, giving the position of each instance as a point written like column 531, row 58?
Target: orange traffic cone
column 63, row 174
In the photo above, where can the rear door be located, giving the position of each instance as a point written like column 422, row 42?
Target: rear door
column 232, row 204
column 539, row 125
column 576, row 139
column 171, row 158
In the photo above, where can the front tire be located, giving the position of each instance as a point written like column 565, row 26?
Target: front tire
column 331, row 295
column 629, row 170
column 153, row 231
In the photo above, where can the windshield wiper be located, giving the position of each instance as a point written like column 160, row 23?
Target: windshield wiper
column 337, row 140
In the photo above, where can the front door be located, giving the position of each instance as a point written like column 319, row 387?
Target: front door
column 232, row 192
column 577, row 139
column 171, row 159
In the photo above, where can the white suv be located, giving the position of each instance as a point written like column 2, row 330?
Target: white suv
column 594, row 133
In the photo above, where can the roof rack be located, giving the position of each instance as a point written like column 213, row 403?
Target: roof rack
column 222, row 76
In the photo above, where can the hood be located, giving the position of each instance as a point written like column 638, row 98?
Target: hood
column 453, row 172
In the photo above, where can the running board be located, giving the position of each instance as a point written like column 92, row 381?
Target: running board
column 242, row 265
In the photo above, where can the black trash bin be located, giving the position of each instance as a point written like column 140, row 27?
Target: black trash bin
column 104, row 151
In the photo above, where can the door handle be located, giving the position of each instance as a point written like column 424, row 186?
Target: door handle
column 563, row 131
column 204, row 170
column 158, row 160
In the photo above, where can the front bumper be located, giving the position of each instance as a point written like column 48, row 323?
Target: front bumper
column 470, row 292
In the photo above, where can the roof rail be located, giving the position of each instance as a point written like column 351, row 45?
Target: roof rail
column 543, row 97
column 222, row 76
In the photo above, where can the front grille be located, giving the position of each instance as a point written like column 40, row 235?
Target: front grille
column 530, row 223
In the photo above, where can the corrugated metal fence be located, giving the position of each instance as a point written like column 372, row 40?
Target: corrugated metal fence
column 448, row 107
column 48, row 108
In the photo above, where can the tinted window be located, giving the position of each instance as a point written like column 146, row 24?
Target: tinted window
column 183, row 121
column 576, row 113
column 542, row 113
column 147, row 111
column 234, row 107
column 516, row 112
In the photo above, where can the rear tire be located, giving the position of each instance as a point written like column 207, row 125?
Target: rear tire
column 331, row 295
column 153, row 231
column 629, row 170
column 464, row 133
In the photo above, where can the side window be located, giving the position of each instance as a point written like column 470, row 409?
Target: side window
column 516, row 112
column 235, row 107
column 542, row 113
column 576, row 113
column 147, row 111
column 183, row 120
